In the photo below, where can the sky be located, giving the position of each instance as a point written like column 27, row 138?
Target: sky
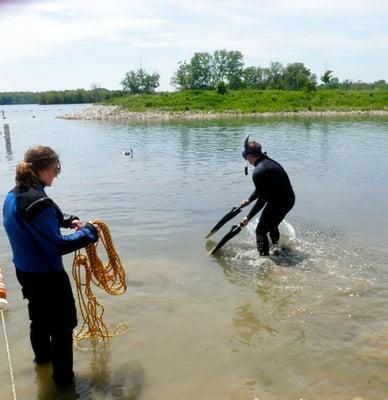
column 57, row 45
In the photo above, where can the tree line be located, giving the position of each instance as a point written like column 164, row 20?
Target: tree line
column 59, row 96
column 221, row 71
column 225, row 70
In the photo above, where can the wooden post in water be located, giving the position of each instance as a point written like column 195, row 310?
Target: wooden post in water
column 7, row 137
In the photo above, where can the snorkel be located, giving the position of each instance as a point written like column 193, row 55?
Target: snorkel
column 245, row 154
column 253, row 148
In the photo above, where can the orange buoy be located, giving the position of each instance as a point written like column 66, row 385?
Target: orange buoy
column 3, row 293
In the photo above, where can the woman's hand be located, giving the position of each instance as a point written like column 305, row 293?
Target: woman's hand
column 95, row 225
column 77, row 224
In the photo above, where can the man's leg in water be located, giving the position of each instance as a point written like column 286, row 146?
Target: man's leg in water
column 262, row 242
column 262, row 229
column 274, row 234
column 269, row 221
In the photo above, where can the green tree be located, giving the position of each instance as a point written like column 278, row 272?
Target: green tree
column 95, row 92
column 380, row 83
column 274, row 75
column 297, row 77
column 43, row 98
column 182, row 76
column 326, row 77
column 254, row 78
column 228, row 68
column 140, row 82
column 347, row 84
column 201, row 76
column 80, row 96
column 54, row 97
column 196, row 74
column 331, row 82
column 206, row 71
column 334, row 83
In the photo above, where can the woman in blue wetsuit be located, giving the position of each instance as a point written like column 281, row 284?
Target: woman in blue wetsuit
column 32, row 222
column 273, row 191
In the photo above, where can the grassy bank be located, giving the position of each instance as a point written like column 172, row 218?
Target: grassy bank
column 250, row 101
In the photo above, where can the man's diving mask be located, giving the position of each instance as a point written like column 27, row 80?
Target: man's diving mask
column 254, row 151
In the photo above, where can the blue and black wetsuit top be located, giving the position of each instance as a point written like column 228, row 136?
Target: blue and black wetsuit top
column 272, row 186
column 32, row 222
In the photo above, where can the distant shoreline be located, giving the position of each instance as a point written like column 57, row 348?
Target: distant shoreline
column 118, row 113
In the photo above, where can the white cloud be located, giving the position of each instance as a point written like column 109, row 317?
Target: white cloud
column 42, row 26
column 41, row 30
column 284, row 30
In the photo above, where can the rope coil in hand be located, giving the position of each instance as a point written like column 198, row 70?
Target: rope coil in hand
column 88, row 268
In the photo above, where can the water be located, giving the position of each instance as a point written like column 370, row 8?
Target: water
column 308, row 323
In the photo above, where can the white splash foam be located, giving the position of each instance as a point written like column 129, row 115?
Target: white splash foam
column 287, row 238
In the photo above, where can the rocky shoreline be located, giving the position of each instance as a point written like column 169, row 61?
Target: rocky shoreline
column 117, row 113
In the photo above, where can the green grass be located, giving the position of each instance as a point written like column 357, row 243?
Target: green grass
column 247, row 101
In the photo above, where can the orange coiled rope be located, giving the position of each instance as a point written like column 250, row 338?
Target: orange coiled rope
column 88, row 268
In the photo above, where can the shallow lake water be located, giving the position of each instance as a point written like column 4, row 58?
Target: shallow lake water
column 308, row 323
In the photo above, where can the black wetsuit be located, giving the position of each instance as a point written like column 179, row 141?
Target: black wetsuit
column 274, row 191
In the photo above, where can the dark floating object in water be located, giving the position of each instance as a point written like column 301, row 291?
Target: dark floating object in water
column 227, row 217
column 235, row 230
column 128, row 152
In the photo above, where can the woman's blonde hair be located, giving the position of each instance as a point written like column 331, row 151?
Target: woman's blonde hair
column 35, row 159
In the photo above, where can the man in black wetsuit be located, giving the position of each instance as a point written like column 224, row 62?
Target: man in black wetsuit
column 273, row 191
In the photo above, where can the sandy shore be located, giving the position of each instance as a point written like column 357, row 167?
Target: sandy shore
column 117, row 113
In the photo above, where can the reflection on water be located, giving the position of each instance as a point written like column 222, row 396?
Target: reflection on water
column 307, row 322
column 121, row 382
column 249, row 326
